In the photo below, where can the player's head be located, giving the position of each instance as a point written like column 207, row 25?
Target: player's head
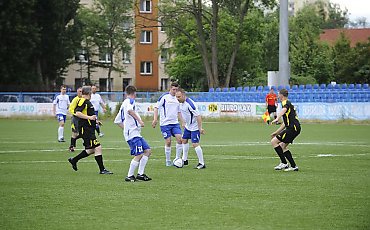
column 130, row 90
column 283, row 94
column 86, row 91
column 174, row 87
column 180, row 95
column 79, row 92
column 93, row 89
column 272, row 90
column 63, row 89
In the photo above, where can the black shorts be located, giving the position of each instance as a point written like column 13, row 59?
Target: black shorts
column 288, row 135
column 88, row 135
column 271, row 109
column 74, row 124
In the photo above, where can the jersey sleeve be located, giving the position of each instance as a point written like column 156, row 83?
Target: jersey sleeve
column 120, row 117
column 160, row 101
column 81, row 105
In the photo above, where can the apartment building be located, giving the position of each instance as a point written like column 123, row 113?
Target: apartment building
column 144, row 64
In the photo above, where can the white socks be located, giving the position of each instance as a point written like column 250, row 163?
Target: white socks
column 60, row 132
column 142, row 164
column 178, row 150
column 185, row 151
column 199, row 152
column 133, row 166
column 167, row 152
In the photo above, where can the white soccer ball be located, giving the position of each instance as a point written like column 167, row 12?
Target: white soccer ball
column 178, row 163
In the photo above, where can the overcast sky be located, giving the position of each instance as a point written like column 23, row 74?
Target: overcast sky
column 356, row 8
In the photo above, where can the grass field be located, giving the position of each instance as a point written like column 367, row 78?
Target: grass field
column 238, row 190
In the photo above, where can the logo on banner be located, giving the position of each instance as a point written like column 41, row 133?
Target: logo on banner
column 233, row 108
column 212, row 108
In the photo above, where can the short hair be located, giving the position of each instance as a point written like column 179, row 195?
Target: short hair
column 284, row 92
column 130, row 89
column 181, row 90
column 86, row 90
column 63, row 86
column 175, row 84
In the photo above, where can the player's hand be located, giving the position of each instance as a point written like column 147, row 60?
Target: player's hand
column 202, row 131
column 154, row 123
column 274, row 121
column 183, row 125
column 273, row 135
column 99, row 123
column 93, row 117
column 141, row 123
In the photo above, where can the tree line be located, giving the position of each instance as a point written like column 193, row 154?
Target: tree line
column 221, row 43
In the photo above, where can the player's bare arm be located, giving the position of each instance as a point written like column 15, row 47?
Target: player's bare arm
column 155, row 117
column 282, row 112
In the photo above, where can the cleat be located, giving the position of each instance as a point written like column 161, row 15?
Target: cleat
column 71, row 148
column 143, row 177
column 130, row 178
column 101, row 134
column 61, row 140
column 186, row 162
column 168, row 163
column 200, row 166
column 291, row 169
column 74, row 165
column 281, row 166
column 104, row 171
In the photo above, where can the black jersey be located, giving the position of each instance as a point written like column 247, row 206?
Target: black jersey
column 290, row 117
column 84, row 106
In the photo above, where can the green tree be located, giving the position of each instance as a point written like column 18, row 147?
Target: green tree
column 104, row 32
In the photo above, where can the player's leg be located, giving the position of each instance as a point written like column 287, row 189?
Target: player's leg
column 84, row 153
column 195, row 139
column 176, row 132
column 167, row 144
column 99, row 157
column 97, row 128
column 74, row 136
column 288, row 155
column 185, row 149
column 275, row 142
column 143, row 161
column 61, row 121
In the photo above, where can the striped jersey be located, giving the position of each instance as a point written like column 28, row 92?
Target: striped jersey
column 168, row 107
column 189, row 113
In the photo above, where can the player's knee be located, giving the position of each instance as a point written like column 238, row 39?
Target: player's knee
column 148, row 152
column 195, row 145
column 274, row 142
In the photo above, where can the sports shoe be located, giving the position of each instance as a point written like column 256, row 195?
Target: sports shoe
column 143, row 177
column 61, row 140
column 281, row 166
column 186, row 162
column 200, row 166
column 130, row 178
column 291, row 169
column 74, row 165
column 71, row 148
column 168, row 163
column 104, row 171
column 101, row 134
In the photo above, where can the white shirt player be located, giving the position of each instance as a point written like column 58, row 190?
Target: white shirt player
column 96, row 100
column 61, row 103
column 132, row 127
column 189, row 113
column 168, row 107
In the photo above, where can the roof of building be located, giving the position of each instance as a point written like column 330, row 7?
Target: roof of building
column 354, row 35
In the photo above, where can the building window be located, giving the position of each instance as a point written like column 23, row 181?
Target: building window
column 104, row 56
column 125, row 83
column 146, row 36
column 164, row 55
column 127, row 25
column 103, row 84
column 146, row 68
column 164, row 84
column 145, row 6
column 126, row 57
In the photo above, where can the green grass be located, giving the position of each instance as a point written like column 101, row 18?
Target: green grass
column 238, row 190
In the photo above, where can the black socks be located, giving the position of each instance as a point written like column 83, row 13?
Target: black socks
column 280, row 153
column 289, row 156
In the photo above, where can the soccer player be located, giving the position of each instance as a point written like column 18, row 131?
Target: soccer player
column 286, row 133
column 129, row 120
column 271, row 103
column 60, row 108
column 169, row 109
column 97, row 101
column 193, row 128
column 74, row 120
column 86, row 127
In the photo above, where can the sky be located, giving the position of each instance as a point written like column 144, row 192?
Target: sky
column 356, row 8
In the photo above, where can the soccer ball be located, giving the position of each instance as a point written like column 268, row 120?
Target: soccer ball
column 178, row 163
